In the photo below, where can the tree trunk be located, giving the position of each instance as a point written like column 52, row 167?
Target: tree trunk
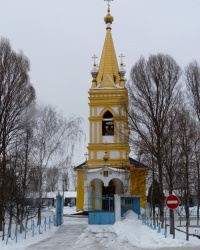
column 198, row 192
column 160, row 172
column 2, row 188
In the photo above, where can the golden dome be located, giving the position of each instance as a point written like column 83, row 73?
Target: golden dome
column 108, row 18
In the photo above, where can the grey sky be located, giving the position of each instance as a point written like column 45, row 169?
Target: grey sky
column 60, row 37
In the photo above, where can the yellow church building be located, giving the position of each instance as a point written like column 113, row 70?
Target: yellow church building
column 108, row 171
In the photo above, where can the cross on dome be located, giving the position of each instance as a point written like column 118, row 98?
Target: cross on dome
column 94, row 59
column 121, row 58
column 108, row 3
column 86, row 155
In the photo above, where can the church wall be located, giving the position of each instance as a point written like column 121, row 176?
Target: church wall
column 107, row 139
column 138, row 184
column 91, row 155
column 114, row 154
column 92, row 139
column 100, row 154
column 98, row 132
column 123, row 154
column 80, row 190
column 99, row 110
column 92, row 111
column 117, row 139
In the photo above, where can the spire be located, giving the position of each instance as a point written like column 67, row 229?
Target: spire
column 108, row 67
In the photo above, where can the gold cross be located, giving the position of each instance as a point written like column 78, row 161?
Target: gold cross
column 94, row 59
column 108, row 3
column 121, row 57
column 86, row 155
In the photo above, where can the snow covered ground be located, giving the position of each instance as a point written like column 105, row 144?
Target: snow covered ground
column 75, row 233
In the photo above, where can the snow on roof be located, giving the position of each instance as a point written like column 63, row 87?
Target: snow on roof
column 67, row 194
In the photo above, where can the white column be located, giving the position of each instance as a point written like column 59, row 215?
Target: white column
column 86, row 198
column 97, row 194
column 117, row 207
column 126, row 187
column 89, row 198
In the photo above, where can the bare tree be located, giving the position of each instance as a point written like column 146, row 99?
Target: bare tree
column 192, row 74
column 52, row 177
column 153, row 94
column 171, row 157
column 16, row 99
column 53, row 135
column 186, row 138
column 196, row 163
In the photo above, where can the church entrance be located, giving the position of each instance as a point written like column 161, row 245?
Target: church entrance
column 105, row 205
column 109, row 190
column 108, row 197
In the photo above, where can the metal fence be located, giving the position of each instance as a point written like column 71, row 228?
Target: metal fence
column 29, row 230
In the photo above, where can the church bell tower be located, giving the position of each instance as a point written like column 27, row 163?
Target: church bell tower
column 108, row 170
column 107, row 130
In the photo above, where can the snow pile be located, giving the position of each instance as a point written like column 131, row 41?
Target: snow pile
column 142, row 236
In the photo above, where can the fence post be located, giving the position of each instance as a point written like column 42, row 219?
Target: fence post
column 165, row 232
column 150, row 223
column 159, row 228
column 45, row 224
column 32, row 228
column 16, row 232
column 39, row 223
column 49, row 222
column 25, row 227
column 8, row 236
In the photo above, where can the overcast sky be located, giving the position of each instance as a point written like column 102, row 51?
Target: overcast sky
column 60, row 36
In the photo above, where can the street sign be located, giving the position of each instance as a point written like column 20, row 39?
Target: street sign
column 172, row 201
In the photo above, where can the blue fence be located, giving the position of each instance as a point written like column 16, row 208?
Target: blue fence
column 130, row 203
column 32, row 230
column 149, row 223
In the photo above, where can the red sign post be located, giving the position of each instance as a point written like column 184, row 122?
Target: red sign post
column 172, row 202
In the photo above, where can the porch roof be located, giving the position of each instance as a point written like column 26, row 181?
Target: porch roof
column 137, row 164
column 80, row 166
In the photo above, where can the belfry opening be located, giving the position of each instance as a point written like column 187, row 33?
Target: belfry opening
column 109, row 176
column 107, row 124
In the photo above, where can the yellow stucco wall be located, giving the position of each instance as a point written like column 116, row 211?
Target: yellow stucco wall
column 138, row 184
column 80, row 190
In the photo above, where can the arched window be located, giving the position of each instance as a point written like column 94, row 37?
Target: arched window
column 108, row 124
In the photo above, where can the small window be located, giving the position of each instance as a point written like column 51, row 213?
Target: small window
column 108, row 124
column 105, row 173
